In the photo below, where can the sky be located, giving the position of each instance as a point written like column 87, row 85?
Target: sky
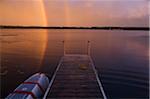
column 74, row 12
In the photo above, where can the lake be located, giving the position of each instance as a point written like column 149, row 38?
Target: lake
column 121, row 57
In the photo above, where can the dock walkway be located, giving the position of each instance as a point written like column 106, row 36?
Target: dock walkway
column 75, row 78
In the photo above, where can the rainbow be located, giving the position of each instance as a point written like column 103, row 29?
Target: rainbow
column 44, row 34
column 43, row 12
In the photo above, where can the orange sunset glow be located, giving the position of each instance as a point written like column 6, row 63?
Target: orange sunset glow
column 74, row 12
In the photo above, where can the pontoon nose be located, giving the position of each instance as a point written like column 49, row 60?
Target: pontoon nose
column 34, row 87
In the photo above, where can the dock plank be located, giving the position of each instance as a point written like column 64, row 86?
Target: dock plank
column 75, row 79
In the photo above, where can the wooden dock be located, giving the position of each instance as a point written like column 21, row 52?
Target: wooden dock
column 75, row 78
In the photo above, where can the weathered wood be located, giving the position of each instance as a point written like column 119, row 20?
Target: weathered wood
column 75, row 78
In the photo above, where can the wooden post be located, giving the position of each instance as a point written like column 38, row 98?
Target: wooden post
column 89, row 48
column 64, row 48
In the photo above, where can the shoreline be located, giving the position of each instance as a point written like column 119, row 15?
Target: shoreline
column 91, row 28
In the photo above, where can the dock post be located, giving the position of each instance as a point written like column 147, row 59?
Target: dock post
column 88, row 48
column 64, row 48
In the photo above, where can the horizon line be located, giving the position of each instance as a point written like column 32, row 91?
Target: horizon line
column 69, row 26
column 74, row 27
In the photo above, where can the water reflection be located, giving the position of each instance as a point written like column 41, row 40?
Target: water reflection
column 121, row 57
column 24, row 43
column 22, row 53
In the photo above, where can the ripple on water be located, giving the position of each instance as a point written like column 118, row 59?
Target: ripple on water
column 129, row 78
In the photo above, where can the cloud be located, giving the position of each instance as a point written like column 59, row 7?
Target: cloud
column 75, row 12
column 21, row 12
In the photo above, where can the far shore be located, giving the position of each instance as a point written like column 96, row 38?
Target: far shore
column 91, row 28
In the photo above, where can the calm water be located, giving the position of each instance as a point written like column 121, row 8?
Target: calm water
column 121, row 57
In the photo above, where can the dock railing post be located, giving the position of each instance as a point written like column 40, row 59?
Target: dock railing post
column 89, row 48
column 64, row 48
